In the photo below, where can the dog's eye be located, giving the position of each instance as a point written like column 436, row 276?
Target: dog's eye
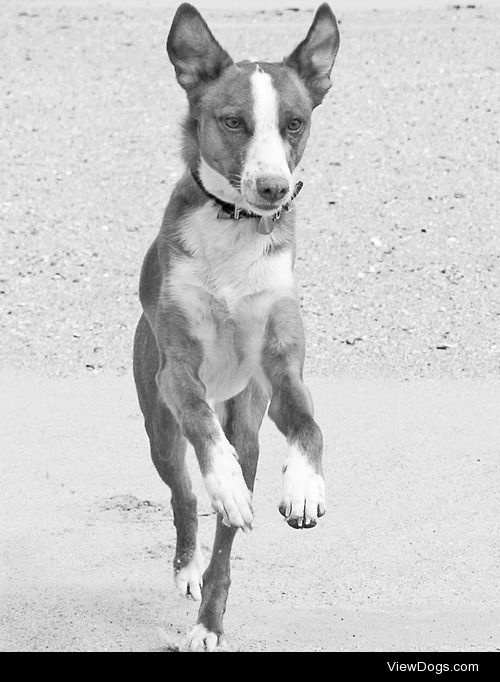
column 294, row 125
column 232, row 122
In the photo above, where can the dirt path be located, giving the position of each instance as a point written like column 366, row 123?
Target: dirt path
column 398, row 239
column 406, row 558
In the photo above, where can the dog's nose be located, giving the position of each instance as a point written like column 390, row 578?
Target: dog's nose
column 272, row 188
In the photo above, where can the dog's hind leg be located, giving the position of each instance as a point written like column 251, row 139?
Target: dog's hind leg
column 241, row 418
column 168, row 450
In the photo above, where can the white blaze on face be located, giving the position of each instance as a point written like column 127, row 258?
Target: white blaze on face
column 266, row 152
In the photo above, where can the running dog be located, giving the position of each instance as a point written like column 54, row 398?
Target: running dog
column 220, row 340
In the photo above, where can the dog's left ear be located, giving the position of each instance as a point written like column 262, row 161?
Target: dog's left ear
column 193, row 50
column 313, row 58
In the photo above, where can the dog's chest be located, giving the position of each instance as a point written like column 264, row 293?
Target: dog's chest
column 227, row 288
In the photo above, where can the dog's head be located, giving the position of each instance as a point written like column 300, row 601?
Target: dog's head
column 249, row 122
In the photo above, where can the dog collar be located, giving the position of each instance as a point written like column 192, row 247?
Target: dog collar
column 232, row 212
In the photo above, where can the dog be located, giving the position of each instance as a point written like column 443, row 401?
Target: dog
column 220, row 340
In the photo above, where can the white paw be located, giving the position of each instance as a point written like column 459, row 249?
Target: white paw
column 303, row 498
column 227, row 489
column 201, row 639
column 189, row 578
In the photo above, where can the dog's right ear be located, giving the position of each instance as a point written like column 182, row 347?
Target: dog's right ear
column 193, row 50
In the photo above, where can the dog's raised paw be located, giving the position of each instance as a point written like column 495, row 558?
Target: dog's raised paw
column 189, row 578
column 201, row 639
column 227, row 489
column 303, row 498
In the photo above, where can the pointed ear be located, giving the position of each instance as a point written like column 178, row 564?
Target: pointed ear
column 313, row 58
column 194, row 52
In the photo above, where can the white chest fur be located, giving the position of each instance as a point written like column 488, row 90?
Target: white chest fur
column 227, row 288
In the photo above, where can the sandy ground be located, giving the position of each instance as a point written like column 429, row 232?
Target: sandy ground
column 406, row 558
column 399, row 243
column 399, row 250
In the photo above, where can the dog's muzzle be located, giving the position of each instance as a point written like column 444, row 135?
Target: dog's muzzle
column 228, row 211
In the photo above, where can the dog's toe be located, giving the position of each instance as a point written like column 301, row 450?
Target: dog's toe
column 303, row 500
column 227, row 489
column 189, row 578
column 201, row 639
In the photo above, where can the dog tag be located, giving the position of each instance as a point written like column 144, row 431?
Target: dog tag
column 265, row 225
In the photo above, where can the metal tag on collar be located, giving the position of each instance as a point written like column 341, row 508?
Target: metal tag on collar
column 265, row 224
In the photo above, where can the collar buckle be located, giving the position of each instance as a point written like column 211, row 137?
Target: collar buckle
column 224, row 214
column 277, row 215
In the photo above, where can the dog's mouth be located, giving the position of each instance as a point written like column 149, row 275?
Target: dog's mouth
column 271, row 208
column 265, row 208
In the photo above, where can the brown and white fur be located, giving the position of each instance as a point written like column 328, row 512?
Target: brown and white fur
column 221, row 340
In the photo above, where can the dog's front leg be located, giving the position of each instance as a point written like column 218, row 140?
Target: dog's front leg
column 291, row 409
column 185, row 395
